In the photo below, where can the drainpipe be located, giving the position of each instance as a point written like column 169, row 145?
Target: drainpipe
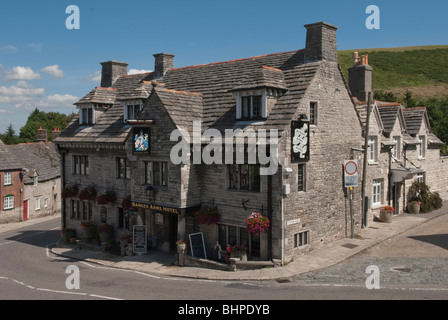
column 270, row 217
column 364, row 166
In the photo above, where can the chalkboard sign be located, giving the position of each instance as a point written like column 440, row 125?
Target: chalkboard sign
column 197, row 245
column 139, row 239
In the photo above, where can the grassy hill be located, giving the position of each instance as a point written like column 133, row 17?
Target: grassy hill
column 423, row 70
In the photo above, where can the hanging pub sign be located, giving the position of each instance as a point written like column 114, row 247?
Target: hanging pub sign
column 141, row 138
column 300, row 141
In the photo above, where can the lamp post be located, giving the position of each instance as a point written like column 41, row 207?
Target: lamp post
column 364, row 165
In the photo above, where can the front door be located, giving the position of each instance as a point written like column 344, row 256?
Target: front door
column 25, row 210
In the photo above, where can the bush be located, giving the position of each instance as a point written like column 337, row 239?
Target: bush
column 430, row 201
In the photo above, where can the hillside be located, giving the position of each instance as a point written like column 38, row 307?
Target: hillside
column 422, row 70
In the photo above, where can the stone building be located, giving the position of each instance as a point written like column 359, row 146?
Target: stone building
column 401, row 147
column 30, row 180
column 168, row 141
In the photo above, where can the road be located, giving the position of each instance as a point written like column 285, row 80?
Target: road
column 28, row 271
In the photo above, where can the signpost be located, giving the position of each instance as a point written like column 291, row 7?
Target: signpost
column 197, row 245
column 139, row 236
column 350, row 181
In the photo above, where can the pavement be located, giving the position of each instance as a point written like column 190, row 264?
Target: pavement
column 162, row 264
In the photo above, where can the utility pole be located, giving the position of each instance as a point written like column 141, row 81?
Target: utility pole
column 364, row 165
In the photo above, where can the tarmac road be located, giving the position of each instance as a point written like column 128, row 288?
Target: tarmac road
column 416, row 258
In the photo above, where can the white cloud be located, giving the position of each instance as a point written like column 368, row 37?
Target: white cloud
column 21, row 73
column 8, row 49
column 57, row 100
column 53, row 71
column 94, row 77
column 138, row 71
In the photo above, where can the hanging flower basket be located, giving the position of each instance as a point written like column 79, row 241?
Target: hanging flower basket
column 256, row 223
column 207, row 215
column 70, row 191
column 107, row 197
column 126, row 203
column 88, row 193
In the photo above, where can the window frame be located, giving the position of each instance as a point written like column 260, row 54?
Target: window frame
column 80, row 165
column 123, row 168
column 377, row 192
column 301, row 177
column 371, row 149
column 253, row 179
column 87, row 115
column 159, row 178
column 313, row 112
column 7, row 178
column 302, row 239
column 7, row 205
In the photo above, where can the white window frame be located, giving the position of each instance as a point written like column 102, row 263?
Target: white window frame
column 377, row 187
column 239, row 104
column 421, row 147
column 396, row 150
column 45, row 202
column 7, row 178
column 134, row 104
column 36, row 204
column 8, row 202
column 371, row 149
column 35, row 181
column 83, row 121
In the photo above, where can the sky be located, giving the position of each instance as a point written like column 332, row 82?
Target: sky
column 46, row 65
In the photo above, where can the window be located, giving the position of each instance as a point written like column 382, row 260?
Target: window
column 371, row 149
column 45, row 202
column 421, row 146
column 244, row 177
column 126, row 219
column 301, row 239
column 8, row 202
column 81, row 210
column 231, row 235
column 421, row 177
column 7, row 179
column 396, row 148
column 37, row 204
column 123, row 168
column 156, row 173
column 251, row 107
column 86, row 116
column 133, row 111
column 35, row 181
column 81, row 165
column 301, row 178
column 313, row 113
column 376, row 193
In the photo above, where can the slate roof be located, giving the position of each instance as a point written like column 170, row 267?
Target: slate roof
column 40, row 158
column 8, row 161
column 100, row 96
column 202, row 92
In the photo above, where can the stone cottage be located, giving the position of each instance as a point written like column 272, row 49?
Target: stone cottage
column 401, row 147
column 130, row 129
column 31, row 180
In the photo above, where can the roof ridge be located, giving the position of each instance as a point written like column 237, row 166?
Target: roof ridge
column 183, row 92
column 105, row 88
column 235, row 60
column 134, row 75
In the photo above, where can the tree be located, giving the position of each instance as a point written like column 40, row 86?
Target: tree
column 9, row 137
column 48, row 121
column 409, row 101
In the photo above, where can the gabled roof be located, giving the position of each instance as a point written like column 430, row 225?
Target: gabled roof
column 39, row 158
column 414, row 118
column 8, row 160
column 390, row 112
column 203, row 93
column 99, row 95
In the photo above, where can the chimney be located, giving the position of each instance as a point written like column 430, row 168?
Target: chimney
column 112, row 70
column 41, row 135
column 321, row 42
column 55, row 134
column 164, row 62
column 360, row 77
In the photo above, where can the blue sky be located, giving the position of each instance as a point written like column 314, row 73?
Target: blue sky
column 45, row 65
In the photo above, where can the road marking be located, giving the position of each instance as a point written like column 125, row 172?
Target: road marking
column 59, row 291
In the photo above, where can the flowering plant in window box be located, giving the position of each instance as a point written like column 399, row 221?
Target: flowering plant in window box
column 126, row 203
column 88, row 193
column 207, row 215
column 70, row 191
column 108, row 196
column 256, row 223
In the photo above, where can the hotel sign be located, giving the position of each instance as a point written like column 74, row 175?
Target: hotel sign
column 300, row 141
column 155, row 207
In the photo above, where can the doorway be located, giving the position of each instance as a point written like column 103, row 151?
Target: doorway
column 25, row 210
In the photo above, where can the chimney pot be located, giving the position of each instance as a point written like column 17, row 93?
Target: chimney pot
column 41, row 135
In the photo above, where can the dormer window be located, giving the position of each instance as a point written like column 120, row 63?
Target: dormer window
column 132, row 110
column 251, row 107
column 86, row 116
